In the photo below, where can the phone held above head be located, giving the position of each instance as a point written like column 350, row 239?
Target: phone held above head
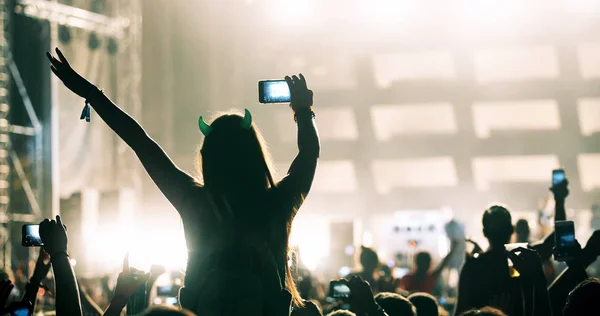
column 565, row 242
column 274, row 91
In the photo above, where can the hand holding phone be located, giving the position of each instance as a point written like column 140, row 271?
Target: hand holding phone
column 565, row 243
column 54, row 235
column 293, row 89
column 560, row 185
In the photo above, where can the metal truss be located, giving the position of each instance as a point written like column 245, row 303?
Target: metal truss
column 4, row 137
column 126, row 30
column 74, row 17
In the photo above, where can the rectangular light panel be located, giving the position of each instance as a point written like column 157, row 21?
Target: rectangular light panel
column 414, row 66
column 487, row 170
column 513, row 64
column 322, row 71
column 589, row 60
column 515, row 115
column 410, row 119
column 589, row 171
column 588, row 111
column 415, row 173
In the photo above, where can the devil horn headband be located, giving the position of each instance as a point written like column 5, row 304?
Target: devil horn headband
column 206, row 129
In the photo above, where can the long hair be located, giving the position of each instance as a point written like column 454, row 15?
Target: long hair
column 234, row 164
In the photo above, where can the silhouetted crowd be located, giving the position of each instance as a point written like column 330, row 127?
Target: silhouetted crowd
column 237, row 221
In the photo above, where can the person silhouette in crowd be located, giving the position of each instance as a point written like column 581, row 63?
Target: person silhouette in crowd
column 486, row 311
column 369, row 261
column 237, row 221
column 583, row 300
column 425, row 303
column 486, row 277
column 422, row 279
column 395, row 305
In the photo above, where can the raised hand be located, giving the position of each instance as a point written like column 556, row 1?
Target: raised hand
column 129, row 281
column 528, row 263
column 361, row 295
column 302, row 97
column 70, row 78
column 42, row 266
column 560, row 191
column 54, row 235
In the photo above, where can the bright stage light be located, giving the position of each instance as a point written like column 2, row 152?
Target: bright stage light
column 292, row 12
column 584, row 7
column 476, row 17
column 389, row 12
column 367, row 239
column 158, row 243
column 311, row 235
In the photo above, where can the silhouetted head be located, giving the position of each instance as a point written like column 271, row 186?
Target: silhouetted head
column 166, row 311
column 426, row 304
column 233, row 159
column 583, row 299
column 341, row 312
column 522, row 230
column 497, row 226
column 423, row 261
column 369, row 259
column 486, row 311
column 395, row 305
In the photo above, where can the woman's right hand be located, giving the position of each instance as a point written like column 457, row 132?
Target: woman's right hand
column 302, row 97
column 71, row 79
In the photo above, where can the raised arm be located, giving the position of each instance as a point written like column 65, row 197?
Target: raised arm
column 298, row 181
column 545, row 246
column 54, row 237
column 575, row 273
column 440, row 267
column 42, row 266
column 173, row 182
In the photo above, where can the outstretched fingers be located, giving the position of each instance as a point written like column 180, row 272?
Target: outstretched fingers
column 54, row 70
column 55, row 62
column 61, row 56
column 289, row 81
column 302, row 82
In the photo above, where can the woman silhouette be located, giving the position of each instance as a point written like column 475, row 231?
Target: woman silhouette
column 238, row 221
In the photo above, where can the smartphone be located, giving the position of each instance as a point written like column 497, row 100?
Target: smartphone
column 166, row 291
column 30, row 235
column 274, row 91
column 564, row 234
column 21, row 311
column 558, row 177
column 339, row 289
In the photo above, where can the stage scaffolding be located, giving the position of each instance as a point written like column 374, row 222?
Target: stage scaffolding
column 122, row 27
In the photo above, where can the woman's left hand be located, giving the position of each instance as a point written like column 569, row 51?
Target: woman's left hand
column 72, row 80
column 302, row 97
